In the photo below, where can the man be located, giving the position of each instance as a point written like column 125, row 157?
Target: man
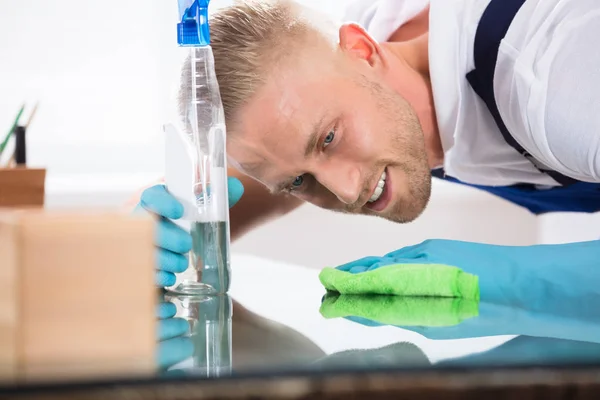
column 496, row 94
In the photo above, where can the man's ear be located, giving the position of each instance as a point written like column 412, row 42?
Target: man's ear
column 355, row 40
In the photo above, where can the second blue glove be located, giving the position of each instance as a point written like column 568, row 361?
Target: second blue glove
column 531, row 277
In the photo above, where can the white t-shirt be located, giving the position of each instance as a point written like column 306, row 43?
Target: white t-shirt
column 547, row 86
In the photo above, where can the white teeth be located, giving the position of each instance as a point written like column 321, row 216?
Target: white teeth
column 378, row 189
column 376, row 194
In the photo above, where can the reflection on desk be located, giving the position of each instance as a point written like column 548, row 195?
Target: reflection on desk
column 195, row 337
column 275, row 322
column 291, row 334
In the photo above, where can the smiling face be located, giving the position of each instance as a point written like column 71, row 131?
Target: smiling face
column 329, row 128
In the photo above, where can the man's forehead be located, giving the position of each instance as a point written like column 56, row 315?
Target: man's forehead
column 277, row 122
column 289, row 103
column 277, row 118
column 265, row 172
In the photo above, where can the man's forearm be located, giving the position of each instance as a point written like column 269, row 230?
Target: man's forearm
column 257, row 206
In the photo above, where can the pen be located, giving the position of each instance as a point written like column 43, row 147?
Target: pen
column 12, row 128
column 20, row 146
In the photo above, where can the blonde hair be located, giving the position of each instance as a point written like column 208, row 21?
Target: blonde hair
column 250, row 38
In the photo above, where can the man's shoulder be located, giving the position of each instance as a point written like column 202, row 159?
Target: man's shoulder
column 381, row 18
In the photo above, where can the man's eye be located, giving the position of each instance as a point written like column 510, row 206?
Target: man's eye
column 297, row 182
column 329, row 138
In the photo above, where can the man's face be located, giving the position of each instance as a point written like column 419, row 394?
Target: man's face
column 333, row 132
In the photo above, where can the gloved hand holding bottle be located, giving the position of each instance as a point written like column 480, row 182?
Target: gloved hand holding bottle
column 172, row 242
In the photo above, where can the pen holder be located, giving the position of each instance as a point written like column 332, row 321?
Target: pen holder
column 22, row 187
column 77, row 295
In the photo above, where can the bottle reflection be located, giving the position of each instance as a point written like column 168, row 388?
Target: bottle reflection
column 195, row 333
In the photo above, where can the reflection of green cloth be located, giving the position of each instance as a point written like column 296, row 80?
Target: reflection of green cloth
column 401, row 311
column 404, row 280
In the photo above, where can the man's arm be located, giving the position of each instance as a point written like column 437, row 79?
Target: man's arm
column 256, row 207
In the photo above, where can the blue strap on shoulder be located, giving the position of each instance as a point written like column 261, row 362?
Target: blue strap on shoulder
column 492, row 28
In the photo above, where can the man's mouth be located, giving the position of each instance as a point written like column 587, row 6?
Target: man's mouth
column 381, row 194
column 379, row 189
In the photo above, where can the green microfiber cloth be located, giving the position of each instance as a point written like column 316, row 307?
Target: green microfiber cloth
column 404, row 280
column 401, row 311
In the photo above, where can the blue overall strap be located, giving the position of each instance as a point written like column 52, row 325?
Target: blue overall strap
column 492, row 28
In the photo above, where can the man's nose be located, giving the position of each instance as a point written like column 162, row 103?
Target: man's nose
column 343, row 180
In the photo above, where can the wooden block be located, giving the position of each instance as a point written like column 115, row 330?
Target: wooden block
column 8, row 298
column 22, row 187
column 77, row 294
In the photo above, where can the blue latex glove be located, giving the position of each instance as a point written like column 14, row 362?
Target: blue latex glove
column 534, row 278
column 172, row 242
column 174, row 343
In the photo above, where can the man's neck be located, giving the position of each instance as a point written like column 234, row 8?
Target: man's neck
column 409, row 64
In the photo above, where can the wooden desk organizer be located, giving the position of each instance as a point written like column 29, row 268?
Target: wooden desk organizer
column 77, row 295
column 22, row 187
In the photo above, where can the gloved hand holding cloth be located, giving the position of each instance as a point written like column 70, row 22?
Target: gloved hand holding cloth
column 521, row 276
column 403, row 279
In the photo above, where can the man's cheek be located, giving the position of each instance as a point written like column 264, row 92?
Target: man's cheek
column 322, row 199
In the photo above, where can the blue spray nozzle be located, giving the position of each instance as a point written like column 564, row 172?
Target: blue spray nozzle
column 193, row 29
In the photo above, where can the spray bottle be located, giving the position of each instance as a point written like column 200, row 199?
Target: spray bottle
column 196, row 164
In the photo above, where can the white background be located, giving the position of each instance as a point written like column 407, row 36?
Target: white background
column 105, row 72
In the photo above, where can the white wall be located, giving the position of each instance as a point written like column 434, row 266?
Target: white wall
column 96, row 68
column 319, row 238
column 105, row 72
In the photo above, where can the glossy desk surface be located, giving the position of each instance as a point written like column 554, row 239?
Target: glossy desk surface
column 272, row 326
